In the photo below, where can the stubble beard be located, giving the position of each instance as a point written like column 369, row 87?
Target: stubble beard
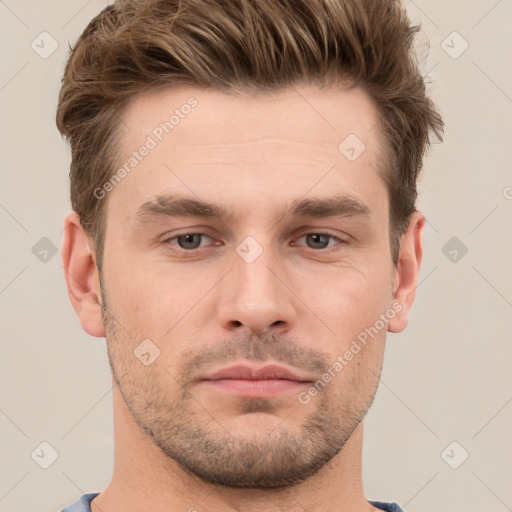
column 188, row 433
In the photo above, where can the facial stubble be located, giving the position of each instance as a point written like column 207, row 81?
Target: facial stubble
column 164, row 407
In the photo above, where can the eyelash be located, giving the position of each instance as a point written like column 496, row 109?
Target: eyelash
column 339, row 240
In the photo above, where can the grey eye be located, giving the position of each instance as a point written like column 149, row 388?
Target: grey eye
column 189, row 240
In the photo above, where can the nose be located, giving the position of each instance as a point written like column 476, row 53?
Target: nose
column 256, row 296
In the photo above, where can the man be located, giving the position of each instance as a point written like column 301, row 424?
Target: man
column 243, row 233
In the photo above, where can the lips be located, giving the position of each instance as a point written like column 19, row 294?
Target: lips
column 248, row 381
column 269, row 372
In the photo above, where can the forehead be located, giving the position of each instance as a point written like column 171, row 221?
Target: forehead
column 304, row 114
column 279, row 144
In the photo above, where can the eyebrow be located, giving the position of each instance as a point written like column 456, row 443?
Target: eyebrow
column 341, row 205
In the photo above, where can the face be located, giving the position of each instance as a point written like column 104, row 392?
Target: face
column 247, row 277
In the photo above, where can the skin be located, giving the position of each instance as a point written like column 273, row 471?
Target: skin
column 300, row 303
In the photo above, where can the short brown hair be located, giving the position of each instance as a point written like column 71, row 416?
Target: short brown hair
column 251, row 46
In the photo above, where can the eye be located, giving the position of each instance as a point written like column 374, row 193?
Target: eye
column 314, row 240
column 321, row 240
column 187, row 241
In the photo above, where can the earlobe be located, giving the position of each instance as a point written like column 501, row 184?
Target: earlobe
column 406, row 277
column 81, row 275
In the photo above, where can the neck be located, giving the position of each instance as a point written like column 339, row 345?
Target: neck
column 145, row 478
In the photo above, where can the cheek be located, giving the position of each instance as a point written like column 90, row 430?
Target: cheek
column 161, row 303
column 350, row 300
column 351, row 305
column 136, row 299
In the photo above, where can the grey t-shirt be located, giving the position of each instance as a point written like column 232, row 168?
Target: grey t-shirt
column 82, row 504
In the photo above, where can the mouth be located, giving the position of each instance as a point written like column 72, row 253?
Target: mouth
column 248, row 381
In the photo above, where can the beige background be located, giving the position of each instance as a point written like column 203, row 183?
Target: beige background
column 446, row 378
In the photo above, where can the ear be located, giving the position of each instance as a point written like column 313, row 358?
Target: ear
column 81, row 274
column 405, row 279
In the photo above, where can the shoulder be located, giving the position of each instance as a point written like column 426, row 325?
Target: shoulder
column 388, row 507
column 82, row 504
